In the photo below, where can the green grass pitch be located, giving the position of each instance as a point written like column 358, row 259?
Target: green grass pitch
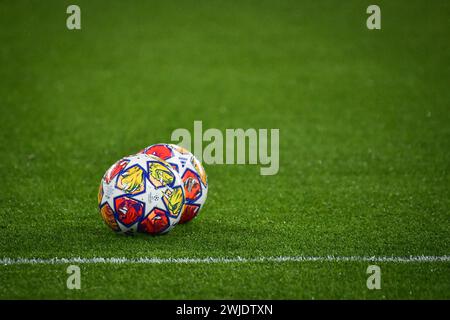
column 364, row 119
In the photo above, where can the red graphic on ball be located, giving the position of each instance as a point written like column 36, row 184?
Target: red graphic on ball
column 189, row 213
column 129, row 211
column 192, row 186
column 156, row 222
column 160, row 150
column 115, row 169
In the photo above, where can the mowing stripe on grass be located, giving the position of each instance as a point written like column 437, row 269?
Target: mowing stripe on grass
column 211, row 260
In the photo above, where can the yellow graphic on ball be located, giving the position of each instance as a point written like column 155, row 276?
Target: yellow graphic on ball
column 173, row 198
column 132, row 180
column 160, row 175
column 100, row 194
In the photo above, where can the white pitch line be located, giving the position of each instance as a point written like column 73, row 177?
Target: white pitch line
column 223, row 260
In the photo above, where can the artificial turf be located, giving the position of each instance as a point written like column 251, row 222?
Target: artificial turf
column 364, row 143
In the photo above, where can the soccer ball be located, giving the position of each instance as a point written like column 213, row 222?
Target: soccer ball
column 191, row 172
column 141, row 193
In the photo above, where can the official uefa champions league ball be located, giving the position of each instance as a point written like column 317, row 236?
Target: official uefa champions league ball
column 191, row 172
column 141, row 193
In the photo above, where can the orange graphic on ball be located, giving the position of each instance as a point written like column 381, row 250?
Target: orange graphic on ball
column 108, row 216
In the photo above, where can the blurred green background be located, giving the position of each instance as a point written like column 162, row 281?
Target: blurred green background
column 364, row 142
